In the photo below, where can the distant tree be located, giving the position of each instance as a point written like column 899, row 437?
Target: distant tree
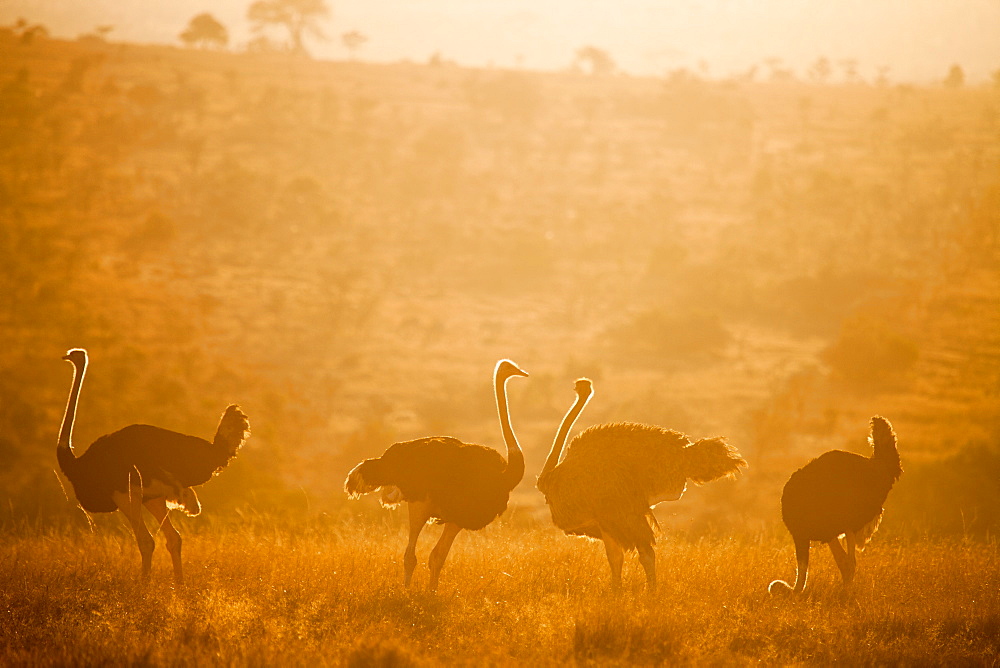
column 73, row 83
column 595, row 61
column 353, row 41
column 438, row 59
column 819, row 72
column 850, row 68
column 955, row 78
column 748, row 75
column 26, row 32
column 98, row 36
column 204, row 30
column 778, row 71
column 882, row 76
column 299, row 17
column 682, row 75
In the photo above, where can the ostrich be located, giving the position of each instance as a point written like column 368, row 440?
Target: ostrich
column 146, row 466
column 839, row 494
column 612, row 475
column 459, row 485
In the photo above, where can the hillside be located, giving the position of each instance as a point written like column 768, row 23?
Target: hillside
column 346, row 249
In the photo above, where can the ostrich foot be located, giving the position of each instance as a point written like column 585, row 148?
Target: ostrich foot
column 780, row 588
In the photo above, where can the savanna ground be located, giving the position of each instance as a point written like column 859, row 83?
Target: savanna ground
column 332, row 594
column 346, row 249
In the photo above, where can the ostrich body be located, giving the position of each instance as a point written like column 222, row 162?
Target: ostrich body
column 611, row 475
column 142, row 465
column 460, row 485
column 839, row 494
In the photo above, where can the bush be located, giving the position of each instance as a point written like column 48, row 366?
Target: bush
column 870, row 355
column 959, row 494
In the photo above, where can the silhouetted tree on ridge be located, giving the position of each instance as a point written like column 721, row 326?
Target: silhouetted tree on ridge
column 205, row 30
column 594, row 60
column 299, row 17
column 955, row 78
column 353, row 40
column 26, row 33
column 820, row 70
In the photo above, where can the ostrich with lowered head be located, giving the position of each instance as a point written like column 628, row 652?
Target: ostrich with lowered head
column 460, row 485
column 611, row 475
column 146, row 466
column 839, row 494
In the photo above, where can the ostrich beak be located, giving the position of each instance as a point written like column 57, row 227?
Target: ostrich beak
column 515, row 370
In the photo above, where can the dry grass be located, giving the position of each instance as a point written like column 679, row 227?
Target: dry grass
column 332, row 595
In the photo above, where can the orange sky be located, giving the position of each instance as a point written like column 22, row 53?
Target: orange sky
column 917, row 39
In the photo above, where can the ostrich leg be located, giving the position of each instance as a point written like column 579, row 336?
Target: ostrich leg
column 130, row 504
column 846, row 561
column 440, row 552
column 839, row 556
column 420, row 512
column 851, row 557
column 801, row 563
column 616, row 557
column 158, row 508
column 647, row 557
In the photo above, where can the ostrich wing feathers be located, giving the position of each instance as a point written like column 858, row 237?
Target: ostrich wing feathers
column 464, row 482
column 612, row 474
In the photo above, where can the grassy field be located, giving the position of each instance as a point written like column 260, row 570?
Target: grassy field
column 331, row 594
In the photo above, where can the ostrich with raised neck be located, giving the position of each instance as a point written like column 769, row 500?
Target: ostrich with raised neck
column 460, row 485
column 839, row 494
column 606, row 482
column 144, row 466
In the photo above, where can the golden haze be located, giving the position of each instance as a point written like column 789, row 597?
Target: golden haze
column 346, row 249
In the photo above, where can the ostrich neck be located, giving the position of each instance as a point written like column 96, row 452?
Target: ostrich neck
column 560, row 442
column 66, row 432
column 515, row 458
column 887, row 457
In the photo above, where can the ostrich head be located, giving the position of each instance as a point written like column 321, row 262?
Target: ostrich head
column 505, row 369
column 584, row 389
column 78, row 356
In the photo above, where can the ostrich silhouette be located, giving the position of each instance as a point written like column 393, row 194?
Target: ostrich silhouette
column 611, row 476
column 142, row 465
column 459, row 485
column 839, row 494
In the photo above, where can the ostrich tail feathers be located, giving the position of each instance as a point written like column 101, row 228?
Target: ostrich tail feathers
column 712, row 458
column 364, row 478
column 234, row 429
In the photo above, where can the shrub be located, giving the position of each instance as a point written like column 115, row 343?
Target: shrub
column 959, row 494
column 870, row 355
